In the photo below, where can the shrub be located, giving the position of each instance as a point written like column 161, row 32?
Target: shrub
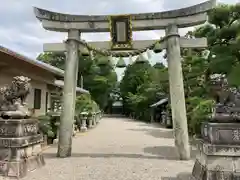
column 198, row 110
column 85, row 103
column 45, row 126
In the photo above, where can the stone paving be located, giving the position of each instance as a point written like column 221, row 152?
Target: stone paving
column 117, row 149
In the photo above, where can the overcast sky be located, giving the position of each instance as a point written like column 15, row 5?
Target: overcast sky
column 22, row 32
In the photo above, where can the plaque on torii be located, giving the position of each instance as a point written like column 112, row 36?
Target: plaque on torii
column 121, row 32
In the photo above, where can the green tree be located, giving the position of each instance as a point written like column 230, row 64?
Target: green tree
column 223, row 35
column 98, row 79
column 139, row 89
column 161, row 76
column 135, row 75
column 54, row 59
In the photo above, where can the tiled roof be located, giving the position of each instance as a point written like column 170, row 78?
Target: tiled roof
column 40, row 64
column 160, row 102
column 35, row 62
column 60, row 83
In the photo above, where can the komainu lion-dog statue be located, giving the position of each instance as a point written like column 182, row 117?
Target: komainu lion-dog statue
column 13, row 98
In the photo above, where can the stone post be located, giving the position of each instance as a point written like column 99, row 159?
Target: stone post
column 55, row 141
column 152, row 115
column 83, row 127
column 94, row 119
column 69, row 95
column 177, row 93
column 90, row 120
column 97, row 117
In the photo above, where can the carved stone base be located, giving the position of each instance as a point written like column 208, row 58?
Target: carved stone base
column 221, row 133
column 216, row 162
column 19, row 169
column 18, row 127
column 20, row 147
column 83, row 127
column 202, row 173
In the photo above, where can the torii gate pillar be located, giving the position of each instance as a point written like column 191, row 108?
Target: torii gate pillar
column 177, row 93
column 69, row 94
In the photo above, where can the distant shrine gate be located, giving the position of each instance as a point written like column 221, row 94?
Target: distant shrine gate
column 120, row 28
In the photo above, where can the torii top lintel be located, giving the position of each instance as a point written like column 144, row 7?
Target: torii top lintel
column 185, row 17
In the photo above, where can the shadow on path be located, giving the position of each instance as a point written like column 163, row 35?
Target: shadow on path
column 180, row 176
column 169, row 178
column 166, row 152
column 154, row 125
column 157, row 133
column 102, row 155
column 157, row 152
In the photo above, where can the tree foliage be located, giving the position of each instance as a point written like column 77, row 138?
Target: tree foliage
column 54, row 59
column 100, row 80
column 222, row 33
column 139, row 89
column 84, row 102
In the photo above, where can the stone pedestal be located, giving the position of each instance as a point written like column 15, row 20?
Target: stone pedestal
column 74, row 128
column 97, row 117
column 20, row 147
column 94, row 120
column 78, row 123
column 83, row 125
column 90, row 121
column 83, row 120
column 55, row 141
column 219, row 152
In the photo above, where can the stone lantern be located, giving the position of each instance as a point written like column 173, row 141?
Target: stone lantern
column 90, row 119
column 98, row 116
column 94, row 119
column 83, row 118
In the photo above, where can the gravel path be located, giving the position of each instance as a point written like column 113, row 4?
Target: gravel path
column 117, row 149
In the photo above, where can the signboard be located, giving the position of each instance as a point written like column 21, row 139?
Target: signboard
column 121, row 32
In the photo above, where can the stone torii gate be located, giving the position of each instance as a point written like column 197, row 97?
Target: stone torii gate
column 74, row 25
